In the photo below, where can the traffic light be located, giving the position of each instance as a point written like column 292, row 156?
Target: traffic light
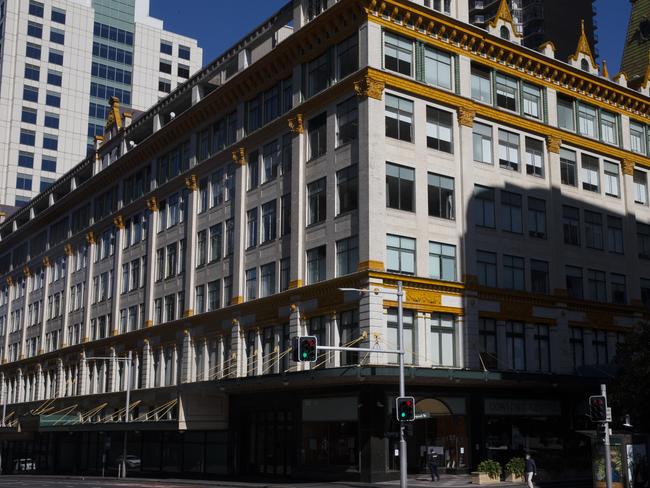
column 598, row 408
column 405, row 407
column 304, row 349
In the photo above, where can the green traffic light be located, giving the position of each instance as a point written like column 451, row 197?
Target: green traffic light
column 304, row 355
column 403, row 414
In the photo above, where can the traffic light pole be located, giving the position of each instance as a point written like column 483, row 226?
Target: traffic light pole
column 608, row 452
column 403, row 483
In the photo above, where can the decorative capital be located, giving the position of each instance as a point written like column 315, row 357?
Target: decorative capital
column 369, row 87
column 118, row 221
column 237, row 300
column 26, row 271
column 90, row 237
column 553, row 144
column 152, row 204
column 46, row 262
column 235, row 322
column 466, row 116
column 295, row 284
column 148, row 323
column 628, row 167
column 239, row 156
column 294, row 307
column 188, row 313
column 295, row 124
column 186, row 332
column 191, row 183
column 68, row 250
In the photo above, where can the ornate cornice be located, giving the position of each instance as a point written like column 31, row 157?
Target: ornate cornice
column 191, row 183
column 369, row 87
column 239, row 156
column 628, row 167
column 295, row 124
column 466, row 116
column 553, row 144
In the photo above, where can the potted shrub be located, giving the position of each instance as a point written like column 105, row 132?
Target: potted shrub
column 515, row 470
column 489, row 473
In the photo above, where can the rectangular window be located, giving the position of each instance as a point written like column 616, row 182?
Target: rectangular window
column 253, row 170
column 28, row 115
column 587, row 118
column 508, row 150
column 216, row 240
column 30, row 94
column 400, row 187
column 51, row 121
column 164, row 85
column 571, row 225
column 58, row 15
column 57, row 36
column 34, row 29
column 53, row 99
column 347, row 56
column 507, row 90
column 270, row 161
column 347, row 119
column 165, row 67
column 543, row 348
column 183, row 71
column 482, row 142
column 565, row 114
column 599, row 346
column 201, row 248
column 537, row 217
column 568, row 167
column 251, row 228
column 399, row 118
column 267, row 280
column 184, row 52
column 408, row 322
column 513, row 273
column 269, row 222
column 398, row 54
column 511, row 212
column 347, row 256
column 54, row 78
column 439, row 130
column 251, row 284
column 46, row 183
column 24, row 182
column 609, row 127
column 619, row 293
column 442, row 261
column 25, row 159
column 27, row 137
column 615, row 234
column 516, row 343
column 481, row 85
column 214, row 295
column 643, row 239
column 55, row 57
column 486, row 266
column 36, row 9
column 577, row 347
column 200, row 299
column 539, row 276
column 317, row 134
column 33, row 51
column 534, row 157
column 437, row 68
column 441, row 196
column 317, row 201
column 597, row 285
column 32, row 72
column 637, row 138
column 400, row 252
column 285, row 275
column 319, row 74
column 230, row 236
column 640, row 187
column 48, row 163
column 316, row 265
column 347, row 189
column 172, row 261
column 484, row 205
column 593, row 230
column 590, row 173
column 285, row 222
column 443, row 340
column 532, row 98
column 612, row 185
column 487, row 333
column 574, row 282
column 166, row 47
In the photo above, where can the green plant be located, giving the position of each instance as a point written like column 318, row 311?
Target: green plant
column 491, row 468
column 516, row 467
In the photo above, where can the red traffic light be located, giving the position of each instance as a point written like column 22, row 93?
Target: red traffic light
column 404, row 409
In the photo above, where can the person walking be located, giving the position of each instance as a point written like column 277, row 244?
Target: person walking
column 433, row 466
column 530, row 471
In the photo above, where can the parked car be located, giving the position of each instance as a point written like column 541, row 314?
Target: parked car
column 132, row 461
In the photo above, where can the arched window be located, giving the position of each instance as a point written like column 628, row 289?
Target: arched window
column 505, row 33
column 584, row 64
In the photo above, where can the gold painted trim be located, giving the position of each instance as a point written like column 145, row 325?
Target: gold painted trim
column 237, row 300
column 239, row 156
column 46, row 262
column 26, row 271
column 371, row 266
column 118, row 221
column 627, row 166
column 296, row 124
column 188, row 313
column 90, row 237
column 369, row 87
column 69, row 251
column 191, row 183
column 583, row 47
column 152, row 204
column 148, row 323
column 295, row 284
column 466, row 116
column 553, row 144
column 9, row 280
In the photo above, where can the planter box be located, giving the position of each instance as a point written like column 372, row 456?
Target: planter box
column 484, row 479
column 512, row 478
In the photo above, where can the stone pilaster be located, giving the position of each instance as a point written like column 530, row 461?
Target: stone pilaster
column 298, row 199
column 187, row 359
column 27, row 275
column 150, row 275
column 117, row 275
column 66, row 305
column 90, row 266
column 190, row 245
column 147, row 365
column 237, row 367
column 10, row 296
column 239, row 214
column 47, row 270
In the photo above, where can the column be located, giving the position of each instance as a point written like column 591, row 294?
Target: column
column 259, row 353
column 152, row 225
column 69, row 252
column 82, row 376
column 10, row 287
column 298, row 200
column 47, row 268
column 27, row 274
column 372, row 322
column 20, row 387
column 236, row 365
column 205, row 362
column 146, row 364
column 90, row 240
column 296, row 329
column 334, row 334
column 118, row 221
column 174, row 365
column 239, row 214
column 190, row 244
column 221, row 359
column 113, row 371
column 38, row 383
column 186, row 366
column 423, row 357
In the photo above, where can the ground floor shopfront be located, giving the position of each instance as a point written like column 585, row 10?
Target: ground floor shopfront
column 320, row 426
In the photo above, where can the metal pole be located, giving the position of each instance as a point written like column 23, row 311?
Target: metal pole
column 127, row 375
column 608, row 452
column 403, row 483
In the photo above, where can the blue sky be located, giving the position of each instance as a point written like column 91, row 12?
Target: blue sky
column 218, row 24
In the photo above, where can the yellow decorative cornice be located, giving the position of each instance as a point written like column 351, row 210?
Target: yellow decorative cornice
column 237, row 300
column 370, row 265
column 369, row 87
column 553, row 144
column 628, row 167
column 191, row 183
column 188, row 313
column 90, row 237
column 466, row 116
column 295, row 124
column 68, row 250
column 583, row 47
column 118, row 221
column 152, row 204
column 26, row 271
column 46, row 262
column 239, row 156
column 295, row 284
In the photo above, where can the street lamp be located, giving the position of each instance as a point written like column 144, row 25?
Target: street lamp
column 400, row 346
column 127, row 376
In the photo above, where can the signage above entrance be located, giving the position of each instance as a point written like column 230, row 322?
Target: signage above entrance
column 516, row 407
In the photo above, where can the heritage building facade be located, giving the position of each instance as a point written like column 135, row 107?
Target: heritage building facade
column 348, row 144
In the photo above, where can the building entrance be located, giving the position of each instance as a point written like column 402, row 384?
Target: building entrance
column 268, row 442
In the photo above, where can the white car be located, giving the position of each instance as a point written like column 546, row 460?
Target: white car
column 132, row 461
